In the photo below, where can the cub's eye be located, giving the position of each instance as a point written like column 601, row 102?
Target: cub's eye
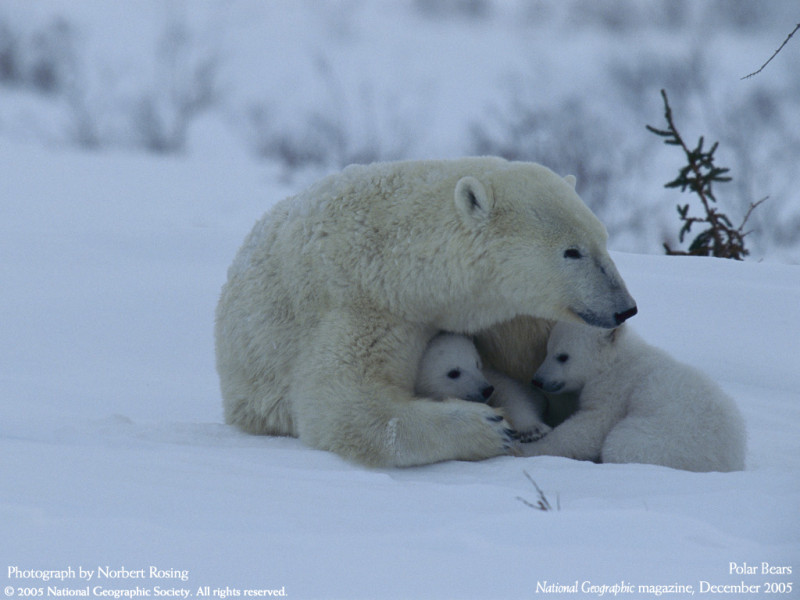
column 572, row 253
column 562, row 358
column 454, row 373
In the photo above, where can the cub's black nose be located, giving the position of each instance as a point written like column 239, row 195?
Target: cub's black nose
column 623, row 316
column 487, row 392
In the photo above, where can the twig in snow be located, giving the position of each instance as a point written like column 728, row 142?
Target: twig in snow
column 543, row 503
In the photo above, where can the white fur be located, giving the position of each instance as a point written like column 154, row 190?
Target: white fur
column 334, row 294
column 637, row 405
column 451, row 368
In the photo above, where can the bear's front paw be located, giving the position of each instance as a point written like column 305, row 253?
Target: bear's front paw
column 470, row 430
column 508, row 435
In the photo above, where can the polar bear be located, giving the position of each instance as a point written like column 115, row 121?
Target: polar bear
column 334, row 294
column 451, row 368
column 637, row 404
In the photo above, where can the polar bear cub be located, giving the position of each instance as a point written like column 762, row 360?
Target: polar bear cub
column 637, row 404
column 451, row 368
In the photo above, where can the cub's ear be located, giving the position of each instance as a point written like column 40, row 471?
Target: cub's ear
column 473, row 201
column 570, row 179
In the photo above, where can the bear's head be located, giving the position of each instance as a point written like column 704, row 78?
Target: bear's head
column 546, row 249
column 576, row 354
column 451, row 368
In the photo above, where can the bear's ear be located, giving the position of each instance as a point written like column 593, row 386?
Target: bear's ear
column 473, row 200
column 570, row 179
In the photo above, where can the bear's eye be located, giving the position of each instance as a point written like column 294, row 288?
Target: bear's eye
column 562, row 358
column 454, row 373
column 572, row 253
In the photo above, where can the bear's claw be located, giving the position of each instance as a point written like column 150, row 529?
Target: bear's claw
column 508, row 435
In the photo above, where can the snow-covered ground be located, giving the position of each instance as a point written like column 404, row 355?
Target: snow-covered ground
column 114, row 453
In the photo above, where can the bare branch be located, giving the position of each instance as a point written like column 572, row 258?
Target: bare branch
column 753, row 205
column 788, row 37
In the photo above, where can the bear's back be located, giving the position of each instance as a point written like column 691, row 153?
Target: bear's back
column 352, row 224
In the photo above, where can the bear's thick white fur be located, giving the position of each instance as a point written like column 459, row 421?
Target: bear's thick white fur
column 637, row 405
column 334, row 294
column 451, row 368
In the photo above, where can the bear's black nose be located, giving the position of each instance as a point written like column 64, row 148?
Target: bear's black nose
column 623, row 316
column 487, row 392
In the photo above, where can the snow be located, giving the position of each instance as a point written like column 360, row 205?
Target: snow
column 315, row 85
column 115, row 453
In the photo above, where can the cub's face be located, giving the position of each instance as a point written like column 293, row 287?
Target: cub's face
column 451, row 368
column 574, row 356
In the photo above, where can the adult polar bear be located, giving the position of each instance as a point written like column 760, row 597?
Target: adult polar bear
column 333, row 296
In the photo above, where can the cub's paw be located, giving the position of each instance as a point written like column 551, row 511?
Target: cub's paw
column 531, row 448
column 534, row 433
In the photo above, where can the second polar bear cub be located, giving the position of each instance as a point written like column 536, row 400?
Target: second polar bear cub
column 451, row 368
column 637, row 404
